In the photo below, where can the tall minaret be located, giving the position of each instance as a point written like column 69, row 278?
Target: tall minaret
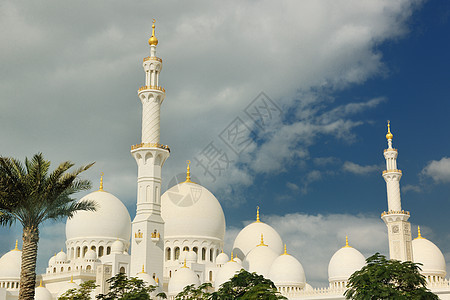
column 147, row 250
column 396, row 219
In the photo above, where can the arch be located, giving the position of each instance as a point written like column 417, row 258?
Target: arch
column 177, row 253
column 85, row 249
column 185, row 248
column 148, row 156
column 88, row 267
column 100, row 251
column 203, row 253
column 195, row 249
column 93, row 248
column 158, row 160
column 170, row 274
column 78, row 252
column 210, row 276
column 122, row 270
column 211, row 255
column 54, row 270
column 168, row 253
column 69, row 269
column 62, row 269
column 108, row 250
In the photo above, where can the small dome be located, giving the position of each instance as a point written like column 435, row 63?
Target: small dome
column 249, row 237
column 225, row 273
column 90, row 255
column 42, row 293
column 67, row 286
column 238, row 260
column 308, row 287
column 146, row 278
column 10, row 264
column 430, row 256
column 117, row 247
column 222, row 258
column 183, row 255
column 288, row 271
column 111, row 219
column 260, row 259
column 183, row 209
column 191, row 256
column 61, row 257
column 344, row 263
column 52, row 261
column 182, row 278
column 153, row 41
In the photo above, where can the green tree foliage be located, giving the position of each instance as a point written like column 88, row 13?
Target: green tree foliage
column 29, row 194
column 82, row 293
column 122, row 287
column 244, row 286
column 381, row 278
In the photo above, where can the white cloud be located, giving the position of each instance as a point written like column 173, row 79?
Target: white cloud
column 411, row 188
column 358, row 169
column 438, row 170
column 292, row 186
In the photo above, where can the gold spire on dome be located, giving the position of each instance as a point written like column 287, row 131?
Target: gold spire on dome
column 188, row 172
column 40, row 284
column 346, row 242
column 16, row 248
column 71, row 279
column 101, row 182
column 184, row 264
column 285, row 251
column 231, row 259
column 262, row 241
column 153, row 41
column 143, row 269
column 389, row 135
column 257, row 215
column 419, row 236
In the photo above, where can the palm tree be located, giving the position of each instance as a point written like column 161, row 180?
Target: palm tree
column 30, row 195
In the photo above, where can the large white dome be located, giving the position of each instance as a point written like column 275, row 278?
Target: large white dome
column 344, row 263
column 430, row 256
column 286, row 270
column 111, row 219
column 260, row 259
column 188, row 209
column 225, row 273
column 249, row 237
column 10, row 265
column 42, row 293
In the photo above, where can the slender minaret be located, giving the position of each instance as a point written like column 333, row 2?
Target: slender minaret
column 396, row 219
column 148, row 226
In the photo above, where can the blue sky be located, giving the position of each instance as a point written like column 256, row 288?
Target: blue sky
column 335, row 71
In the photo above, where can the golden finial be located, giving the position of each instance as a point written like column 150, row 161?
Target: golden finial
column 40, row 284
column 143, row 269
column 346, row 242
column 184, row 264
column 262, row 241
column 285, row 251
column 257, row 215
column 157, row 280
column 389, row 135
column 71, row 279
column 101, row 181
column 188, row 172
column 231, row 259
column 419, row 236
column 16, row 248
column 153, row 40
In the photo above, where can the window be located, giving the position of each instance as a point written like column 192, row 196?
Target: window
column 168, row 253
column 69, row 269
column 210, row 275
column 186, row 248
column 122, row 270
column 93, row 248
column 108, row 250
column 211, row 255
column 203, row 253
column 177, row 253
column 85, row 249
column 88, row 267
column 100, row 251
column 62, row 269
column 78, row 251
column 195, row 249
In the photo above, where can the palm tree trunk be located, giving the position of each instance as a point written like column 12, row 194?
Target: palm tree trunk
column 29, row 254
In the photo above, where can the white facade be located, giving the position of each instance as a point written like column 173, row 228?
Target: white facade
column 177, row 239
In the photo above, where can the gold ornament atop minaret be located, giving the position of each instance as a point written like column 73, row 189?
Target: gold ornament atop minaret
column 257, row 215
column 153, row 40
column 389, row 135
column 101, row 182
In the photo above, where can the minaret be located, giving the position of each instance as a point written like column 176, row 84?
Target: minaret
column 148, row 226
column 396, row 219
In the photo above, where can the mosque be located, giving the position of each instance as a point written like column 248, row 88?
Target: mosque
column 177, row 239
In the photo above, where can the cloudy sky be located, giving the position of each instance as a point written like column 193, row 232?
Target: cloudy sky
column 292, row 97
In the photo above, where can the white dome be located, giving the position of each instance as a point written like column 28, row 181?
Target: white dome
column 429, row 255
column 222, row 258
column 68, row 286
column 52, row 261
column 117, row 247
column 183, row 255
column 90, row 255
column 308, row 287
column 188, row 209
column 286, row 270
column 146, row 278
column 249, row 237
column 225, row 273
column 10, row 265
column 344, row 263
column 181, row 278
column 238, row 260
column 42, row 293
column 260, row 259
column 111, row 220
column 191, row 256
column 61, row 257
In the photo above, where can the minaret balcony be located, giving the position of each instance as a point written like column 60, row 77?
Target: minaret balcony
column 152, row 58
column 152, row 87
column 390, row 149
column 150, row 145
column 392, row 212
